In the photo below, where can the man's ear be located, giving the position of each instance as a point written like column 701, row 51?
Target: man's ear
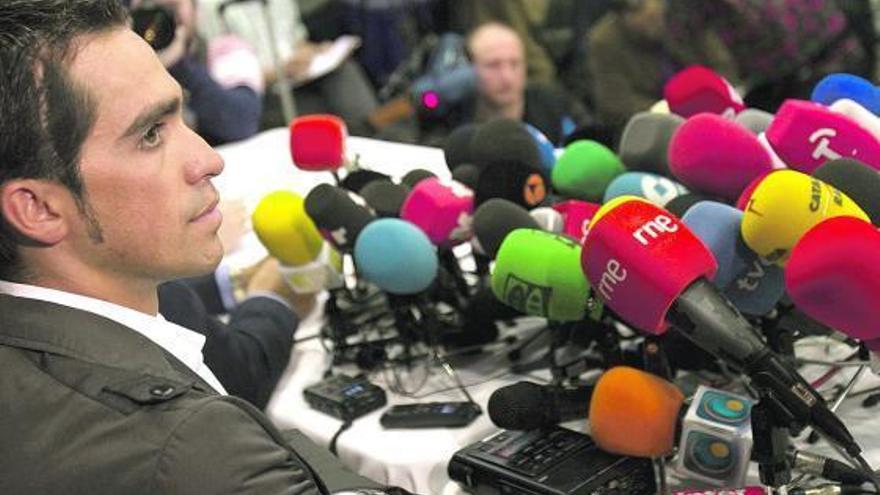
column 36, row 209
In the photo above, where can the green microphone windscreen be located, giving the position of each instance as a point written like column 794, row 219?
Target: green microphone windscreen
column 538, row 273
column 584, row 170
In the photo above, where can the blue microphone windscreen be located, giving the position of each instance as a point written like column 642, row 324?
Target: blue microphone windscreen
column 396, row 256
column 545, row 148
column 753, row 285
column 655, row 188
column 839, row 86
column 718, row 226
column 756, row 290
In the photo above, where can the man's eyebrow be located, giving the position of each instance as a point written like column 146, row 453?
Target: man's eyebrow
column 153, row 113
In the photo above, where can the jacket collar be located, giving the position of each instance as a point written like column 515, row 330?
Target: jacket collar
column 48, row 327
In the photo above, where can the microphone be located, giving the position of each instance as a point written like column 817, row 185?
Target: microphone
column 859, row 114
column 832, row 277
column 457, row 147
column 548, row 219
column 517, row 182
column 679, row 205
column 337, row 215
column 529, row 406
column 634, row 413
column 385, row 197
column 752, row 284
column 317, row 142
column 834, row 87
column 644, row 144
column 537, row 273
column 467, row 174
column 620, row 258
column 396, row 256
column 584, row 170
column 784, row 206
column 716, row 156
column 655, row 188
column 307, row 263
column 496, row 218
column 805, row 135
column 415, row 176
column 442, row 209
column 545, row 148
column 699, row 89
column 504, row 142
column 576, row 215
column 855, row 179
column 356, row 180
column 755, row 120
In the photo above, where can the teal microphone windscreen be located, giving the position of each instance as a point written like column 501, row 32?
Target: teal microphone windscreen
column 655, row 188
column 396, row 256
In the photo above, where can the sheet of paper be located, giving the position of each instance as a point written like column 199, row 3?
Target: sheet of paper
column 328, row 60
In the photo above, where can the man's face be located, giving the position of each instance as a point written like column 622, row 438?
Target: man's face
column 146, row 174
column 501, row 69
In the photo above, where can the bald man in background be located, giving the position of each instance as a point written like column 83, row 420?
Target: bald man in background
column 499, row 59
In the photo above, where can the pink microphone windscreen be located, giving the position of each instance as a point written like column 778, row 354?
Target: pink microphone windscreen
column 443, row 209
column 699, row 89
column 576, row 216
column 833, row 275
column 639, row 258
column 806, row 135
column 317, row 142
column 716, row 156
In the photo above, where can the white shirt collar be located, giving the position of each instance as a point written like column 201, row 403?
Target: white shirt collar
column 182, row 343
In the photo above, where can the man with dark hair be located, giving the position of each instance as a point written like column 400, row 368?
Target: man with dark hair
column 105, row 193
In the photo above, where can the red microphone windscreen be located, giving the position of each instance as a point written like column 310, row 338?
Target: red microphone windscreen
column 699, row 89
column 639, row 258
column 833, row 275
column 634, row 413
column 805, row 135
column 576, row 216
column 317, row 142
column 716, row 156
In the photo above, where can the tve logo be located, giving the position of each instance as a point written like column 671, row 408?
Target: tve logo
column 820, row 139
column 653, row 229
column 614, row 274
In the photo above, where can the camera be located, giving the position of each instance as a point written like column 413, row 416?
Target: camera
column 154, row 23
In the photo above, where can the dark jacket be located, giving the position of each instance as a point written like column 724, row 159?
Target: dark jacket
column 250, row 352
column 90, row 406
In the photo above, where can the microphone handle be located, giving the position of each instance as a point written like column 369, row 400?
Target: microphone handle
column 570, row 403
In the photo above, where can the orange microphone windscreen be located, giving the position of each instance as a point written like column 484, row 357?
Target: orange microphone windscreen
column 634, row 413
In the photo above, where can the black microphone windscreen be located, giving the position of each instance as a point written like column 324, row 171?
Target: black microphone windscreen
column 357, row 179
column 467, row 174
column 496, row 218
column 457, row 147
column 680, row 204
column 333, row 210
column 385, row 197
column 415, row 176
column 504, row 141
column 529, row 406
column 645, row 142
column 855, row 179
column 513, row 181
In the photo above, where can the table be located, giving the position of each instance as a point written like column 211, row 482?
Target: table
column 413, row 459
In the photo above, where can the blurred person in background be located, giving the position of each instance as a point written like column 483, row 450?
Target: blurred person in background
column 504, row 91
column 222, row 80
column 783, row 47
column 631, row 57
column 345, row 91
